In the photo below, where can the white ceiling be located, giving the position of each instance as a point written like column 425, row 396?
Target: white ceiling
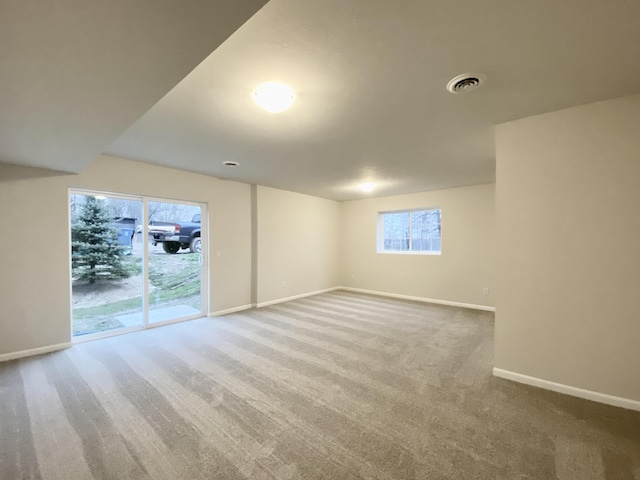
column 74, row 75
column 370, row 78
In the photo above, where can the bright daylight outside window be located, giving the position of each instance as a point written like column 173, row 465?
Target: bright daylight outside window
column 410, row 231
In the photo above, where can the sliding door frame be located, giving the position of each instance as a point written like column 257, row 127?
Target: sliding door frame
column 204, row 262
column 204, row 283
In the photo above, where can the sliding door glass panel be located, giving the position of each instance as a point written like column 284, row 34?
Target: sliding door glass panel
column 175, row 261
column 106, row 263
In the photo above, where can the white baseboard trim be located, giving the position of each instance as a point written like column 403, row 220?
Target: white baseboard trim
column 295, row 297
column 5, row 357
column 568, row 390
column 421, row 299
column 230, row 310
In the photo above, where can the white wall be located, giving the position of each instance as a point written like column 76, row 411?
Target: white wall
column 34, row 258
column 568, row 270
column 297, row 244
column 459, row 274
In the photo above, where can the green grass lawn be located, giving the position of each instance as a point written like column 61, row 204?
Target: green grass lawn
column 175, row 280
column 108, row 309
column 183, row 282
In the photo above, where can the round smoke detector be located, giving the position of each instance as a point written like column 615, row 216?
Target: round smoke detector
column 466, row 82
column 230, row 164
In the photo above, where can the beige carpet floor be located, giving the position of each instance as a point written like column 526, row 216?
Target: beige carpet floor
column 337, row 386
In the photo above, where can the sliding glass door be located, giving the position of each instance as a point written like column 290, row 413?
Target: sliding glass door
column 107, row 281
column 135, row 262
column 175, row 260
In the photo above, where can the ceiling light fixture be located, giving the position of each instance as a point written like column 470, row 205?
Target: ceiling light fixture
column 274, row 97
column 367, row 187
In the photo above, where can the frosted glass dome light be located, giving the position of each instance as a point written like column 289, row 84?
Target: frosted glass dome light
column 367, row 187
column 274, row 97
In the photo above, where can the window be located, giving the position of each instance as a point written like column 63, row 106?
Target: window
column 410, row 231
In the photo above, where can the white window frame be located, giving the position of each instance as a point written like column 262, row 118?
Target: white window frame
column 380, row 233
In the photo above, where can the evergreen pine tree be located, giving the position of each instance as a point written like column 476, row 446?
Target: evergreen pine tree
column 95, row 252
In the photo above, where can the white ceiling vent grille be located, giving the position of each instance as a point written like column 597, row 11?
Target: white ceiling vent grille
column 466, row 82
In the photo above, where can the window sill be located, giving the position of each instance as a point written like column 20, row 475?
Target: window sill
column 408, row 252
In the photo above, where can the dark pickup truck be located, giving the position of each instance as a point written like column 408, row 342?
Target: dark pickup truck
column 174, row 236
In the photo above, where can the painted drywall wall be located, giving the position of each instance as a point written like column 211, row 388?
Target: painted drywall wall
column 459, row 274
column 297, row 243
column 34, row 259
column 568, row 268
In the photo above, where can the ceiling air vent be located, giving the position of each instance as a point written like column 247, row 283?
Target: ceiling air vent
column 230, row 164
column 466, row 82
